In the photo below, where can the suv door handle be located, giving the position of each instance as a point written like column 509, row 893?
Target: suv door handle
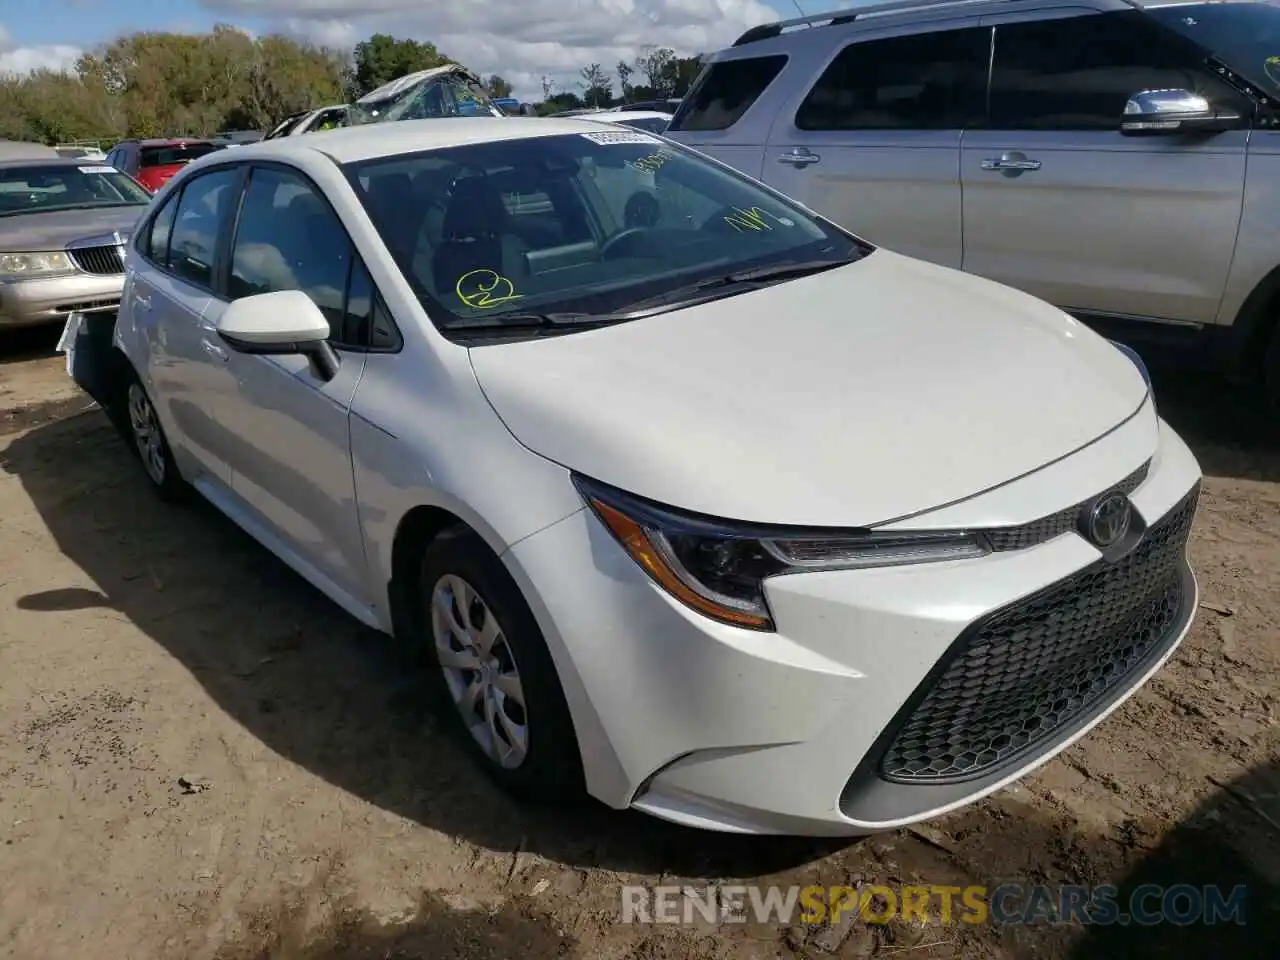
column 799, row 157
column 213, row 350
column 1011, row 164
column 141, row 302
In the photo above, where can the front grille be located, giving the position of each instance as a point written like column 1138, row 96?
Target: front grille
column 101, row 260
column 1021, row 673
column 1056, row 524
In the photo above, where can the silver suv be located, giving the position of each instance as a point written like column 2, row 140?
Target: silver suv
column 1121, row 161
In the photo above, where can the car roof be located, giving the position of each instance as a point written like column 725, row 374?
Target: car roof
column 53, row 163
column 24, row 150
column 396, row 137
column 171, row 141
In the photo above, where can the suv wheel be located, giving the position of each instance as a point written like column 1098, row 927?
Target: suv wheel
column 1271, row 370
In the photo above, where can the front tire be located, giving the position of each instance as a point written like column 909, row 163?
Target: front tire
column 149, row 442
column 497, row 683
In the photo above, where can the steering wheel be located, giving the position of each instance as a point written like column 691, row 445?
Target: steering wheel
column 616, row 245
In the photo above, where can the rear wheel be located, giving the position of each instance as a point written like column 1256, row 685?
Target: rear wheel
column 498, row 685
column 1271, row 370
column 150, row 443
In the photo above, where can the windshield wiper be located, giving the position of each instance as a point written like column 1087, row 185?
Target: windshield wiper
column 537, row 321
column 752, row 279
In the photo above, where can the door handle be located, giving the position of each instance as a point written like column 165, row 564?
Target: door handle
column 213, row 350
column 799, row 157
column 1011, row 164
column 141, row 302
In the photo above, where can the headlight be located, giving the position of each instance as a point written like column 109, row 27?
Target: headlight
column 718, row 568
column 1134, row 357
column 15, row 265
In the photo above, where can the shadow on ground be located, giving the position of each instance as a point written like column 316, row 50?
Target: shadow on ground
column 297, row 672
column 1228, row 426
column 29, row 343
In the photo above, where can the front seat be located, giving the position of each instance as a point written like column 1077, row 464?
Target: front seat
column 476, row 235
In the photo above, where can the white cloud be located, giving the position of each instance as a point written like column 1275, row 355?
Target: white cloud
column 15, row 59
column 523, row 41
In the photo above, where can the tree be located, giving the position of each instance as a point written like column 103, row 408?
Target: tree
column 597, row 88
column 382, row 58
column 654, row 64
column 624, row 71
column 497, row 87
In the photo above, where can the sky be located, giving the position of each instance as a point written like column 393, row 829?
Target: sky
column 522, row 40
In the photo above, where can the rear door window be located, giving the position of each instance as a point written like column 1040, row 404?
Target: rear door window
column 725, row 91
column 931, row 81
column 202, row 210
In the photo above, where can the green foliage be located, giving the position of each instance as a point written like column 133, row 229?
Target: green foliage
column 171, row 84
column 157, row 84
column 382, row 58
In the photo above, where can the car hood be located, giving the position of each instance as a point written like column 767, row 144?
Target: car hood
column 53, row 230
column 849, row 398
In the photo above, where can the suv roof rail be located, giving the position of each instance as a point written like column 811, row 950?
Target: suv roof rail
column 836, row 17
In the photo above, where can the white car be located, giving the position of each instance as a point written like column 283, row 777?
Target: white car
column 650, row 121
column 728, row 517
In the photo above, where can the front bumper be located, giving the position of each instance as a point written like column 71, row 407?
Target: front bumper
column 852, row 718
column 47, row 299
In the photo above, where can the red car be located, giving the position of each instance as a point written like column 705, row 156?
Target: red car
column 153, row 162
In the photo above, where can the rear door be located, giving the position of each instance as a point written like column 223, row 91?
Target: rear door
column 169, row 303
column 717, row 117
column 872, row 141
column 1061, row 204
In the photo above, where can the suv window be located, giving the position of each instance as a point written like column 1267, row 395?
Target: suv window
column 932, row 81
column 726, row 91
column 289, row 238
column 201, row 211
column 1078, row 73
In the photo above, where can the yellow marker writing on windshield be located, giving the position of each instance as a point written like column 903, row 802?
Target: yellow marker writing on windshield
column 485, row 288
column 752, row 218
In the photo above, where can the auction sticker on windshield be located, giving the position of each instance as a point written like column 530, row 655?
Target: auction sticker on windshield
column 98, row 169
column 610, row 137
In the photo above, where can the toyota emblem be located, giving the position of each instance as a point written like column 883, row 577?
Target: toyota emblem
column 1108, row 519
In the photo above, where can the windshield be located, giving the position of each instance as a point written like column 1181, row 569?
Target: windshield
column 649, row 124
column 38, row 189
column 584, row 223
column 450, row 95
column 1244, row 35
column 171, row 155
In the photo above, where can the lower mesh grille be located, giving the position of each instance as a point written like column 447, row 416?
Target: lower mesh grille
column 1021, row 673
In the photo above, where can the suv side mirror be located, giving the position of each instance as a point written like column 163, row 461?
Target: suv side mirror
column 1154, row 112
column 284, row 321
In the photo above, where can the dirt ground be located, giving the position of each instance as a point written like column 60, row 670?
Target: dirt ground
column 323, row 817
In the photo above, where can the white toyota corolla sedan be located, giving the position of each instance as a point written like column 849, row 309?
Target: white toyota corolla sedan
column 690, row 498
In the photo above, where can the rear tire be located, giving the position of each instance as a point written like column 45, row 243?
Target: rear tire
column 136, row 416
column 1271, row 371
column 496, row 682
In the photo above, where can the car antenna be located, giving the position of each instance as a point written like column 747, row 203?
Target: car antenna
column 800, row 10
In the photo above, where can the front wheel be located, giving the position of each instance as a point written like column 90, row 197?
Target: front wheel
column 150, row 443
column 495, row 675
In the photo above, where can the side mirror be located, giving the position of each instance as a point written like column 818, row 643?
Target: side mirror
column 284, row 321
column 1154, row 112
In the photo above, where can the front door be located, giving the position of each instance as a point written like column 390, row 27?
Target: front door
column 288, row 440
column 1059, row 203
column 873, row 142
